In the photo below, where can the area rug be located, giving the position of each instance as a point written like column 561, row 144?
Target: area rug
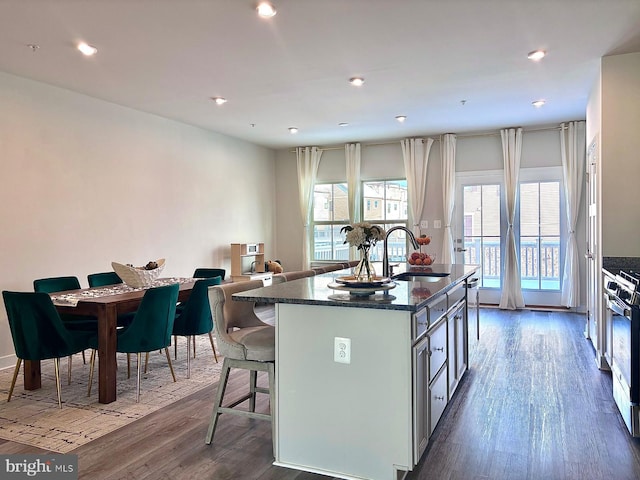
column 33, row 417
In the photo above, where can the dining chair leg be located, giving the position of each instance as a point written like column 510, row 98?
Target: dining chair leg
column 189, row 337
column 138, row 388
column 84, row 360
column 194, row 346
column 128, row 366
column 213, row 347
column 175, row 347
column 69, row 362
column 92, row 363
column 222, row 385
column 146, row 362
column 170, row 364
column 253, row 378
column 15, row 376
column 56, row 366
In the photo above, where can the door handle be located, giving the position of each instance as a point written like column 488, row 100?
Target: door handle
column 588, row 256
column 461, row 249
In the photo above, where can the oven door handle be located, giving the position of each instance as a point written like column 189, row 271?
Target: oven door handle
column 615, row 307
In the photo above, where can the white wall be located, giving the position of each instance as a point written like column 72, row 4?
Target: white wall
column 620, row 154
column 85, row 182
column 540, row 148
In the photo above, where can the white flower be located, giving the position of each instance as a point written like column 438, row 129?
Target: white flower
column 363, row 234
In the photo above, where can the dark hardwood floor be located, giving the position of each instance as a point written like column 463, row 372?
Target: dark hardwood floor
column 532, row 406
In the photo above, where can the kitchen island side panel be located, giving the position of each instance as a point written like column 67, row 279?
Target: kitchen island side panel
column 351, row 420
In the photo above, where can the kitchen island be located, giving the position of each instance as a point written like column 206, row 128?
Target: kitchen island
column 361, row 382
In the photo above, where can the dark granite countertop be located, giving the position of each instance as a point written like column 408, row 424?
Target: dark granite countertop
column 613, row 265
column 410, row 296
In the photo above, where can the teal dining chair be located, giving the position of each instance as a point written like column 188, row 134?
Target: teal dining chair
column 195, row 318
column 72, row 322
column 209, row 273
column 150, row 329
column 103, row 279
column 38, row 332
column 62, row 284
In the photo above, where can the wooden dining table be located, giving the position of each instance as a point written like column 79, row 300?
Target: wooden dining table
column 106, row 308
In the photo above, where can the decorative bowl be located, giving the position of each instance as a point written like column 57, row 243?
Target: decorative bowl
column 138, row 277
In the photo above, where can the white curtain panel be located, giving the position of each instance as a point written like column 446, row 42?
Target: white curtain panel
column 573, row 151
column 511, row 297
column 308, row 159
column 415, row 152
column 448, row 153
column 352, row 156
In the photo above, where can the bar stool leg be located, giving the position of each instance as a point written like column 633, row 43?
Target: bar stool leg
column 222, row 385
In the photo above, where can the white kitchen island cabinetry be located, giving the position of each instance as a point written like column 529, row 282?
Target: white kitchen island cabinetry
column 370, row 418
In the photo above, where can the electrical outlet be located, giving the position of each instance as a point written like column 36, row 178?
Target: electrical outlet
column 342, row 350
column 437, row 224
column 424, row 224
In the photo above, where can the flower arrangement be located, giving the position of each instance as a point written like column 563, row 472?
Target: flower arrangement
column 363, row 235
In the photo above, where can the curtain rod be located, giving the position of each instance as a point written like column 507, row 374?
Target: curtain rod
column 436, row 138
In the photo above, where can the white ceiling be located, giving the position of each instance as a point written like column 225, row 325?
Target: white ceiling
column 419, row 58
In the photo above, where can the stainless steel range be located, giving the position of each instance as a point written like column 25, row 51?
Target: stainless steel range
column 622, row 344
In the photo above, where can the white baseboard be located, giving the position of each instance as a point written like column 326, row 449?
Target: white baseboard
column 8, row 361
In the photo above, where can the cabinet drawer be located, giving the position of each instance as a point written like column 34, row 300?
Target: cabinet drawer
column 437, row 399
column 437, row 349
column 419, row 324
column 436, row 309
column 456, row 294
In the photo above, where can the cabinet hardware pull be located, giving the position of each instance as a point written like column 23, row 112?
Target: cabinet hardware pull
column 439, row 349
column 439, row 398
column 423, row 323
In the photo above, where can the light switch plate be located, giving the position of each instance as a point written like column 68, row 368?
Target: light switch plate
column 424, row 224
column 437, row 224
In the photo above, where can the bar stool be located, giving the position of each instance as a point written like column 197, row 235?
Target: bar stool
column 246, row 342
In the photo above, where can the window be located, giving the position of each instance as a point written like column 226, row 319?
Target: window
column 330, row 214
column 389, row 209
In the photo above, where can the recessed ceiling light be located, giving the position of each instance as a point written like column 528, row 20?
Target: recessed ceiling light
column 266, row 9
column 356, row 81
column 343, row 124
column 34, row 47
column 538, row 103
column 401, row 118
column 293, row 129
column 87, row 49
column 536, row 55
column 219, row 100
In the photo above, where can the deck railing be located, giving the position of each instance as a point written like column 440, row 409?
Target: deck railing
column 538, row 262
